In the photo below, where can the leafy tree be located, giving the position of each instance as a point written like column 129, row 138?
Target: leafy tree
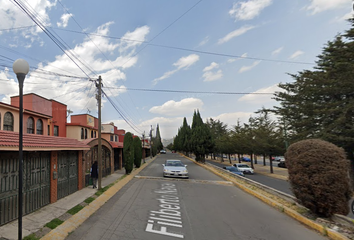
column 128, row 152
column 218, row 131
column 318, row 174
column 138, row 152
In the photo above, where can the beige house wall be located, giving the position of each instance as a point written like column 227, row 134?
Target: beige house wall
column 73, row 132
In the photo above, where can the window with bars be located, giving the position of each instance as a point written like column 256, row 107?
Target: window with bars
column 30, row 125
column 8, row 122
column 39, row 127
column 56, row 130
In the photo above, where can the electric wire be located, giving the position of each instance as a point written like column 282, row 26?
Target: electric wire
column 52, row 36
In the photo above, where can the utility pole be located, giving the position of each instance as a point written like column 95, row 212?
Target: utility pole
column 150, row 142
column 99, row 154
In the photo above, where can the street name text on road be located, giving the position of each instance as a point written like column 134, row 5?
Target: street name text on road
column 169, row 214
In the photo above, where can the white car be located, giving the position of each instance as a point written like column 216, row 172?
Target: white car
column 175, row 168
column 244, row 168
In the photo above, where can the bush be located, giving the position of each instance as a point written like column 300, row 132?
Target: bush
column 128, row 152
column 138, row 152
column 318, row 174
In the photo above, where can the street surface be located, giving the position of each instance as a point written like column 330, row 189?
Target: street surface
column 278, row 184
column 204, row 207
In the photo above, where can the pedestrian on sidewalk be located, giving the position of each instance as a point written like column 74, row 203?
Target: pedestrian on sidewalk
column 94, row 174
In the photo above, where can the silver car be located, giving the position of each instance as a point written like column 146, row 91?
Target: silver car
column 175, row 168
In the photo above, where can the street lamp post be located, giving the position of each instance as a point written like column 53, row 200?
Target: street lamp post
column 21, row 68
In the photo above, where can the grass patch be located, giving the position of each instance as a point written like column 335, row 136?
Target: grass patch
column 89, row 200
column 102, row 190
column 75, row 209
column 31, row 237
column 54, row 223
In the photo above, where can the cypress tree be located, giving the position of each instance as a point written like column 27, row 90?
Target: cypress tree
column 128, row 152
column 138, row 152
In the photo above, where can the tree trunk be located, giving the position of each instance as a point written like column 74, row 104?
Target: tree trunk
column 271, row 163
column 264, row 157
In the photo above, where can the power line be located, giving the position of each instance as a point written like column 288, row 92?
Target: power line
column 61, row 44
column 187, row 91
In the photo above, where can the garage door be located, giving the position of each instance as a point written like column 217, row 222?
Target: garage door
column 36, row 183
column 67, row 173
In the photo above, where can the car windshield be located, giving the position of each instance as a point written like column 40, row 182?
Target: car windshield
column 174, row 164
column 243, row 166
column 232, row 169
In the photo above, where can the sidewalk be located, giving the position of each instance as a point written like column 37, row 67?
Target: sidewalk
column 34, row 222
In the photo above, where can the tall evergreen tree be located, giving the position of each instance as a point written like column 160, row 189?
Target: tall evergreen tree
column 320, row 103
column 128, row 152
column 158, row 140
column 201, row 140
column 138, row 151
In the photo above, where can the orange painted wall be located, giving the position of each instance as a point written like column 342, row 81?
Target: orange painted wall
column 53, row 182
column 34, row 103
column 59, row 117
column 81, row 119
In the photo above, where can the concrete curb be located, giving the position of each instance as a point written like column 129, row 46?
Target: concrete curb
column 322, row 229
column 63, row 230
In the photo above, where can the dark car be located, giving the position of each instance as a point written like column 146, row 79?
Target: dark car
column 246, row 159
column 282, row 164
column 234, row 170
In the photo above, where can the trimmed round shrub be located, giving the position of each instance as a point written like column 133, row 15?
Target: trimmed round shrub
column 138, row 152
column 319, row 176
column 128, row 152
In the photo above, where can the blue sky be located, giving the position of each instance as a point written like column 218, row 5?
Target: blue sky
column 196, row 48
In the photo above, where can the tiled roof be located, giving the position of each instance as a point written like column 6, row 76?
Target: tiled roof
column 34, row 142
column 116, row 144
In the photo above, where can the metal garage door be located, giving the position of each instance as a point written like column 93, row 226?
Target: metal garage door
column 36, row 183
column 67, row 173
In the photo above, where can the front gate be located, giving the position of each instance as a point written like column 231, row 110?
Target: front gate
column 67, row 173
column 36, row 183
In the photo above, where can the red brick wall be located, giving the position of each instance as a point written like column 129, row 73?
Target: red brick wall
column 53, row 182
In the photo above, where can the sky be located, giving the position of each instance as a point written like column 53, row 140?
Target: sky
column 160, row 60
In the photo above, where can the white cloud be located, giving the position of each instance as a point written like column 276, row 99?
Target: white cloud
column 277, row 51
column 205, row 41
column 183, row 107
column 231, row 119
column 296, row 54
column 231, row 60
column 12, row 15
column 135, row 38
column 78, row 93
column 247, row 68
column 182, row 63
column 261, row 96
column 317, row 6
column 64, row 20
column 248, row 10
column 211, row 67
column 212, row 76
column 235, row 33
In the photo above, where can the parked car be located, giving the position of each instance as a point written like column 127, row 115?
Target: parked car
column 278, row 158
column 244, row 168
column 246, row 159
column 163, row 151
column 282, row 164
column 234, row 170
column 175, row 168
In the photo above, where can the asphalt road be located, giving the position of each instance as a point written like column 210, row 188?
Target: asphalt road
column 204, row 207
column 278, row 184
